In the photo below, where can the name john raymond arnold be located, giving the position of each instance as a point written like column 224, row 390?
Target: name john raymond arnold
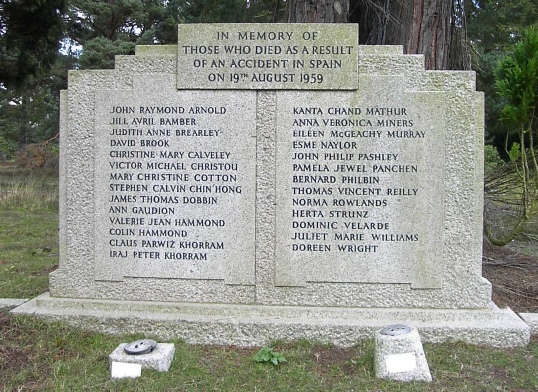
column 156, row 170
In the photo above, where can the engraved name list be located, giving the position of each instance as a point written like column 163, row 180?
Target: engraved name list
column 173, row 172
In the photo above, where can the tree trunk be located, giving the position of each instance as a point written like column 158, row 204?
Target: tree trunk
column 429, row 32
column 434, row 28
column 317, row 11
column 24, row 125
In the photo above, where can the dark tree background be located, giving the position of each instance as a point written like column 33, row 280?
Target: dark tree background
column 30, row 31
column 435, row 28
column 451, row 34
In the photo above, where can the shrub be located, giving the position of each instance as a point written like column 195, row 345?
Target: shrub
column 7, row 149
column 267, row 355
column 33, row 156
column 492, row 158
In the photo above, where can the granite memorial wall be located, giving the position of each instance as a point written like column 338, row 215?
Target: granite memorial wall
column 254, row 173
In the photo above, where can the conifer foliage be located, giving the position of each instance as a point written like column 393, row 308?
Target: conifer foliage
column 30, row 31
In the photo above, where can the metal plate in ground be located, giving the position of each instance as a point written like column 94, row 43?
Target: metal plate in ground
column 395, row 330
column 142, row 346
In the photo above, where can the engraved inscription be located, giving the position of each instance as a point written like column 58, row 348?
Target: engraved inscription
column 350, row 184
column 276, row 56
column 171, row 176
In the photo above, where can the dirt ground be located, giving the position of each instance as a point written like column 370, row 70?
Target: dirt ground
column 514, row 277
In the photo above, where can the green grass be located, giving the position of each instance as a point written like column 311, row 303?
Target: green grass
column 28, row 189
column 39, row 356
column 28, row 230
column 28, row 251
column 53, row 357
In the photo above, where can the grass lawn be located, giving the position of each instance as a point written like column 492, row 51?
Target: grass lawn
column 38, row 356
column 28, row 252
column 29, row 231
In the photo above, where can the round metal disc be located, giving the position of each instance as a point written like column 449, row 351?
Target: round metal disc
column 138, row 347
column 395, row 330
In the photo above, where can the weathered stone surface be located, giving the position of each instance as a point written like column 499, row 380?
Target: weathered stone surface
column 10, row 303
column 532, row 320
column 258, row 325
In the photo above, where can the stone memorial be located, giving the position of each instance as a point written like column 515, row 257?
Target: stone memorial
column 273, row 181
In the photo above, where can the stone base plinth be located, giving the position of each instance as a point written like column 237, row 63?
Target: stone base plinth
column 257, row 325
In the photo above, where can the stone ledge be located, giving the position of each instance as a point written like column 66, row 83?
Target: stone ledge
column 10, row 303
column 257, row 325
column 532, row 320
